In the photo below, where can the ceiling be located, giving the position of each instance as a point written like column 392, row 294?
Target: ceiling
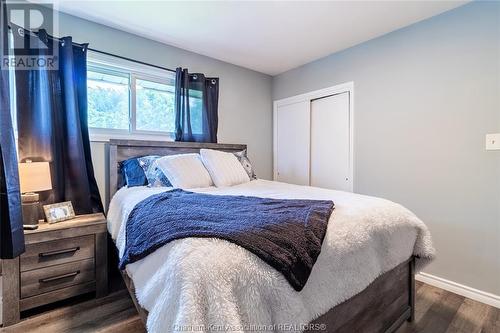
column 267, row 36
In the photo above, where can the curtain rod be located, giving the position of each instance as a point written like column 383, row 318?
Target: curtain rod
column 107, row 53
column 128, row 59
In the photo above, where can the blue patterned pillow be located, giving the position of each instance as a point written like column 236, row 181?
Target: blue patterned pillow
column 133, row 174
column 245, row 162
column 155, row 177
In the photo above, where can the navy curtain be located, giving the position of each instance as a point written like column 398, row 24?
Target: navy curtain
column 196, row 107
column 11, row 223
column 53, row 125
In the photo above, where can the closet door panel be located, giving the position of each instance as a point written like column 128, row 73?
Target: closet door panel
column 292, row 143
column 330, row 142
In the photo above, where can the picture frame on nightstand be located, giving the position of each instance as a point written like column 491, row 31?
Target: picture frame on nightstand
column 59, row 212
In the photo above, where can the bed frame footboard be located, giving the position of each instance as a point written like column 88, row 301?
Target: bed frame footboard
column 382, row 307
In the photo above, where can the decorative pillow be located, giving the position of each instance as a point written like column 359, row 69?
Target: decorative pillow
column 155, row 177
column 133, row 173
column 245, row 162
column 185, row 171
column 224, row 168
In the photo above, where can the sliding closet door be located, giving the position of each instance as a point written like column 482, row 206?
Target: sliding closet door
column 292, row 143
column 330, row 142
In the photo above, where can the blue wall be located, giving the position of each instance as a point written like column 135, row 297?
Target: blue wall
column 425, row 96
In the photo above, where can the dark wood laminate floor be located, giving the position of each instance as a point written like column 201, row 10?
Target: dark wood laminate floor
column 437, row 311
column 115, row 313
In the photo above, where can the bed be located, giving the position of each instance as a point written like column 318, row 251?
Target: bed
column 363, row 280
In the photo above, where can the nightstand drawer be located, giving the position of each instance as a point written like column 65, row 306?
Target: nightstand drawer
column 56, row 252
column 47, row 279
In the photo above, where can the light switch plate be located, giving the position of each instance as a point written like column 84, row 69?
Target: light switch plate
column 493, row 141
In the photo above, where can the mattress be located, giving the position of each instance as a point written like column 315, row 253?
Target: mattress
column 209, row 284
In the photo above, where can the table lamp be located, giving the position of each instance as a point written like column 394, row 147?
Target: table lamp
column 33, row 177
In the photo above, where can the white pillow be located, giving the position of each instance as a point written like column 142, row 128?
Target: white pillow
column 185, row 171
column 224, row 168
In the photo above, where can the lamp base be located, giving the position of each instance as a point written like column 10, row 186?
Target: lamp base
column 30, row 206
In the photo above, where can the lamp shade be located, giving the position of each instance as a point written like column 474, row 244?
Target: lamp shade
column 34, row 177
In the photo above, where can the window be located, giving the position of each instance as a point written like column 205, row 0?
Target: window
column 154, row 106
column 108, row 99
column 125, row 98
column 195, row 108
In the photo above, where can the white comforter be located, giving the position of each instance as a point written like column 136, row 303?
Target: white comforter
column 200, row 284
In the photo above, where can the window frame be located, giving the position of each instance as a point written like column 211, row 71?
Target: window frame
column 134, row 71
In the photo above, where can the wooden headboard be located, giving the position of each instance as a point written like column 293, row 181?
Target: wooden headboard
column 120, row 150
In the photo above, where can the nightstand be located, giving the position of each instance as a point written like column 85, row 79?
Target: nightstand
column 62, row 260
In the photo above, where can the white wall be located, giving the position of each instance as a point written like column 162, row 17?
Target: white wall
column 425, row 96
column 245, row 108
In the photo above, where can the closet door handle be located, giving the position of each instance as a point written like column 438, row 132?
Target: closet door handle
column 58, row 277
column 54, row 253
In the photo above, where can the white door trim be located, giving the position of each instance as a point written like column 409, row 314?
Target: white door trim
column 337, row 89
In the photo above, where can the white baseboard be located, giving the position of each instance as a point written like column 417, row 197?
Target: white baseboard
column 460, row 289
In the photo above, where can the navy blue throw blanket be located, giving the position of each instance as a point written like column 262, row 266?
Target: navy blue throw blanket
column 286, row 234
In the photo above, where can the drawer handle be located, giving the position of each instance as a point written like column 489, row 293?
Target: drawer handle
column 58, row 277
column 53, row 253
